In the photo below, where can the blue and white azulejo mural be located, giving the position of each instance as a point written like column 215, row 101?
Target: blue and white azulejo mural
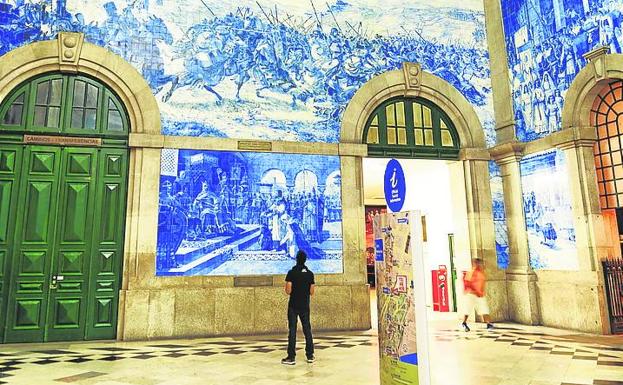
column 545, row 40
column 268, row 69
column 235, row 213
column 499, row 215
column 548, row 212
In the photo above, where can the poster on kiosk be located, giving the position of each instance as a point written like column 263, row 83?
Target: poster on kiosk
column 403, row 334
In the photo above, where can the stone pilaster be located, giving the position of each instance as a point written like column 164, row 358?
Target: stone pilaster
column 521, row 280
column 502, row 93
column 590, row 233
column 475, row 168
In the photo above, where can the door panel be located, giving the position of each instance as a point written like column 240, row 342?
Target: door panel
column 69, row 214
column 10, row 164
column 34, row 245
column 107, row 252
column 68, row 296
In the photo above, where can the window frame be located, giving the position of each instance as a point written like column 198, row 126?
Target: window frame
column 27, row 124
column 411, row 149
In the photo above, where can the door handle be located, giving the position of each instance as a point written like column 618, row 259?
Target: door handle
column 55, row 280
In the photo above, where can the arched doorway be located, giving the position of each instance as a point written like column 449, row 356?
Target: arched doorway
column 607, row 118
column 425, row 138
column 466, row 160
column 63, row 191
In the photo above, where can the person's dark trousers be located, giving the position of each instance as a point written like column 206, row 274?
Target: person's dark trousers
column 293, row 315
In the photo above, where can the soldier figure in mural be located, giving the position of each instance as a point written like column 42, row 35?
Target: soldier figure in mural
column 205, row 205
column 172, row 225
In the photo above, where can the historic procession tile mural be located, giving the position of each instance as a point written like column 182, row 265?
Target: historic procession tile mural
column 499, row 215
column 269, row 69
column 545, row 41
column 233, row 213
column 547, row 207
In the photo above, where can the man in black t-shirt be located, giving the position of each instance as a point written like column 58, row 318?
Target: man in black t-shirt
column 300, row 286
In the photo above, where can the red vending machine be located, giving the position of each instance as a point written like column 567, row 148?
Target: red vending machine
column 440, row 289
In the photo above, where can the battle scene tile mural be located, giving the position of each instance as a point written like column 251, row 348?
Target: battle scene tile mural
column 548, row 212
column 545, row 40
column 245, row 213
column 270, row 69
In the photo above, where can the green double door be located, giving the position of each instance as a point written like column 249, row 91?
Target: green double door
column 62, row 219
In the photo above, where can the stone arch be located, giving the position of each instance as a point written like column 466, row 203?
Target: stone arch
column 412, row 81
column 587, row 84
column 302, row 177
column 70, row 53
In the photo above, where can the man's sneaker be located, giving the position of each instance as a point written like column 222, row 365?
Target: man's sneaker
column 490, row 326
column 288, row 361
column 311, row 359
column 465, row 327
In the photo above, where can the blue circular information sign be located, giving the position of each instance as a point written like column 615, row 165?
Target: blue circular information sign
column 395, row 186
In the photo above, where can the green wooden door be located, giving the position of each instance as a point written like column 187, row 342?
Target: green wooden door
column 107, row 243
column 62, row 210
column 68, row 244
column 33, row 245
column 69, row 275
column 10, row 165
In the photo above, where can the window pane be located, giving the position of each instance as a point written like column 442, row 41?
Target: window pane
column 400, row 113
column 92, row 93
column 419, row 137
column 428, row 137
column 446, row 139
column 402, row 135
column 417, row 115
column 115, row 123
column 373, row 131
column 76, row 117
column 19, row 100
column 111, row 106
column 57, row 90
column 391, row 118
column 54, row 117
column 428, row 118
column 89, row 119
column 14, row 115
column 375, row 121
column 42, row 92
column 79, row 91
column 391, row 136
column 443, row 124
column 40, row 116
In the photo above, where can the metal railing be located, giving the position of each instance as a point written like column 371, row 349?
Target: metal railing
column 613, row 271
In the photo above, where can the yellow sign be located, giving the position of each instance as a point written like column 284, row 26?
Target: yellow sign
column 251, row 145
column 62, row 140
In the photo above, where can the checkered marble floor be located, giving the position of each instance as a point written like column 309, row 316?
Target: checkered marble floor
column 509, row 355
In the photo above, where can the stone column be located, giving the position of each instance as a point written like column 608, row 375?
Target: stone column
column 475, row 168
column 521, row 280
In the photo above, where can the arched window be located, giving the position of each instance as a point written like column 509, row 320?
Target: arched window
column 412, row 128
column 607, row 116
column 64, row 104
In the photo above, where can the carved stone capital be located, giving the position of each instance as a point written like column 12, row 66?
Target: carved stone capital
column 413, row 76
column 69, row 49
column 597, row 60
column 508, row 152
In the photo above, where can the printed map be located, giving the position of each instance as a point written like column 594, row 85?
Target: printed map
column 396, row 300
